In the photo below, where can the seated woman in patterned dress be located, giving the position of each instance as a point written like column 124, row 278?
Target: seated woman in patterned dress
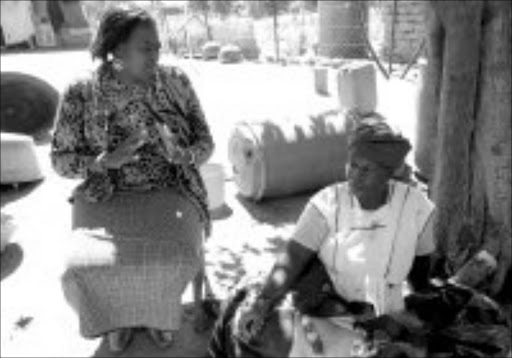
column 135, row 133
column 367, row 236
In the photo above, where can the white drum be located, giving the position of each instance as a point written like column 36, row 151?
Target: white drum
column 285, row 156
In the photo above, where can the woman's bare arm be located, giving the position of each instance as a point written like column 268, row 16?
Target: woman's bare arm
column 288, row 267
column 310, row 232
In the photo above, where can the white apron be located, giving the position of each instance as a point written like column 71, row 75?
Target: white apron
column 367, row 255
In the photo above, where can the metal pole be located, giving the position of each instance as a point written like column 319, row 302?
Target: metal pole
column 276, row 30
column 376, row 58
column 392, row 49
column 414, row 58
column 369, row 46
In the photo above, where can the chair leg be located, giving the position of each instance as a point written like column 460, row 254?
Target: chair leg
column 198, row 285
column 201, row 318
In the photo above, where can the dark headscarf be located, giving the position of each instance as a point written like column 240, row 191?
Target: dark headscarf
column 374, row 139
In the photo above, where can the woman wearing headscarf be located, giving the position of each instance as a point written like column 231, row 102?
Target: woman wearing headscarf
column 135, row 134
column 354, row 246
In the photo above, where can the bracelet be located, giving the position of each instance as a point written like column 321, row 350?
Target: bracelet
column 192, row 157
column 96, row 165
column 183, row 152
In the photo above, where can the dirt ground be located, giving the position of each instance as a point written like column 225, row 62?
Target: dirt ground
column 36, row 320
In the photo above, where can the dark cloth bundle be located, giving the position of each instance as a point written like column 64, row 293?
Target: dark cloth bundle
column 274, row 341
column 313, row 294
column 446, row 321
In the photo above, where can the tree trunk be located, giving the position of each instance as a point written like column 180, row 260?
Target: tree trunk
column 468, row 91
column 426, row 129
column 207, row 24
column 276, row 29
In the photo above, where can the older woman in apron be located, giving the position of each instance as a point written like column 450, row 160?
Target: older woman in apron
column 134, row 132
column 369, row 235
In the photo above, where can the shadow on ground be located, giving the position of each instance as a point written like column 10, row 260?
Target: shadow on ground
column 10, row 193
column 222, row 213
column 251, row 251
column 276, row 212
column 188, row 343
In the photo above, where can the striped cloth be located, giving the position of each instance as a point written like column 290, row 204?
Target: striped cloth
column 131, row 258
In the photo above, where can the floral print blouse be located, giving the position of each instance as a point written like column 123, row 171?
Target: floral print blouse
column 97, row 113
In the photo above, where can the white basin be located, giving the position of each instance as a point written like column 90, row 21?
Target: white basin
column 19, row 161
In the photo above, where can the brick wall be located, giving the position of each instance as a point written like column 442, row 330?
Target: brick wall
column 409, row 27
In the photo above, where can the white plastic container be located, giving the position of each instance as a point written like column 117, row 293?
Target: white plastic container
column 325, row 77
column 214, row 177
column 357, row 87
column 19, row 161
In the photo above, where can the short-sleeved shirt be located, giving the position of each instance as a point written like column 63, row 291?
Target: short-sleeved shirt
column 367, row 252
column 317, row 219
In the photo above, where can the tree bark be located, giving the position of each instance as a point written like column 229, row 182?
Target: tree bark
column 426, row 129
column 466, row 101
column 493, row 132
column 206, row 17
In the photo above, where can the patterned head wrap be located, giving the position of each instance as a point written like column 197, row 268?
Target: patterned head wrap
column 374, row 139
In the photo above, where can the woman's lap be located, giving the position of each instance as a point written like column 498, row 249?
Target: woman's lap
column 131, row 258
column 136, row 229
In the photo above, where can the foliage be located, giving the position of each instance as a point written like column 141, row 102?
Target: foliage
column 198, row 6
column 219, row 7
column 263, row 8
column 222, row 7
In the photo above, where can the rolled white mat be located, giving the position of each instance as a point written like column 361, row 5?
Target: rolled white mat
column 19, row 161
column 280, row 157
column 357, row 87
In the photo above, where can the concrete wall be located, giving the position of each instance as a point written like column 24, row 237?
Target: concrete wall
column 409, row 28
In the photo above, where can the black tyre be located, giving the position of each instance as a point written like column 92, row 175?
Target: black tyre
column 28, row 104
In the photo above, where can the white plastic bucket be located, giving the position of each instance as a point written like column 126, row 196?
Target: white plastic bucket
column 214, row 177
column 357, row 86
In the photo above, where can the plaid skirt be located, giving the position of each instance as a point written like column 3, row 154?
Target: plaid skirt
column 130, row 260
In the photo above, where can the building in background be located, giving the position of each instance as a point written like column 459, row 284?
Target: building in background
column 42, row 23
column 397, row 28
column 17, row 22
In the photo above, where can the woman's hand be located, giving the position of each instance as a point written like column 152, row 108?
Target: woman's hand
column 173, row 152
column 123, row 154
column 180, row 156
